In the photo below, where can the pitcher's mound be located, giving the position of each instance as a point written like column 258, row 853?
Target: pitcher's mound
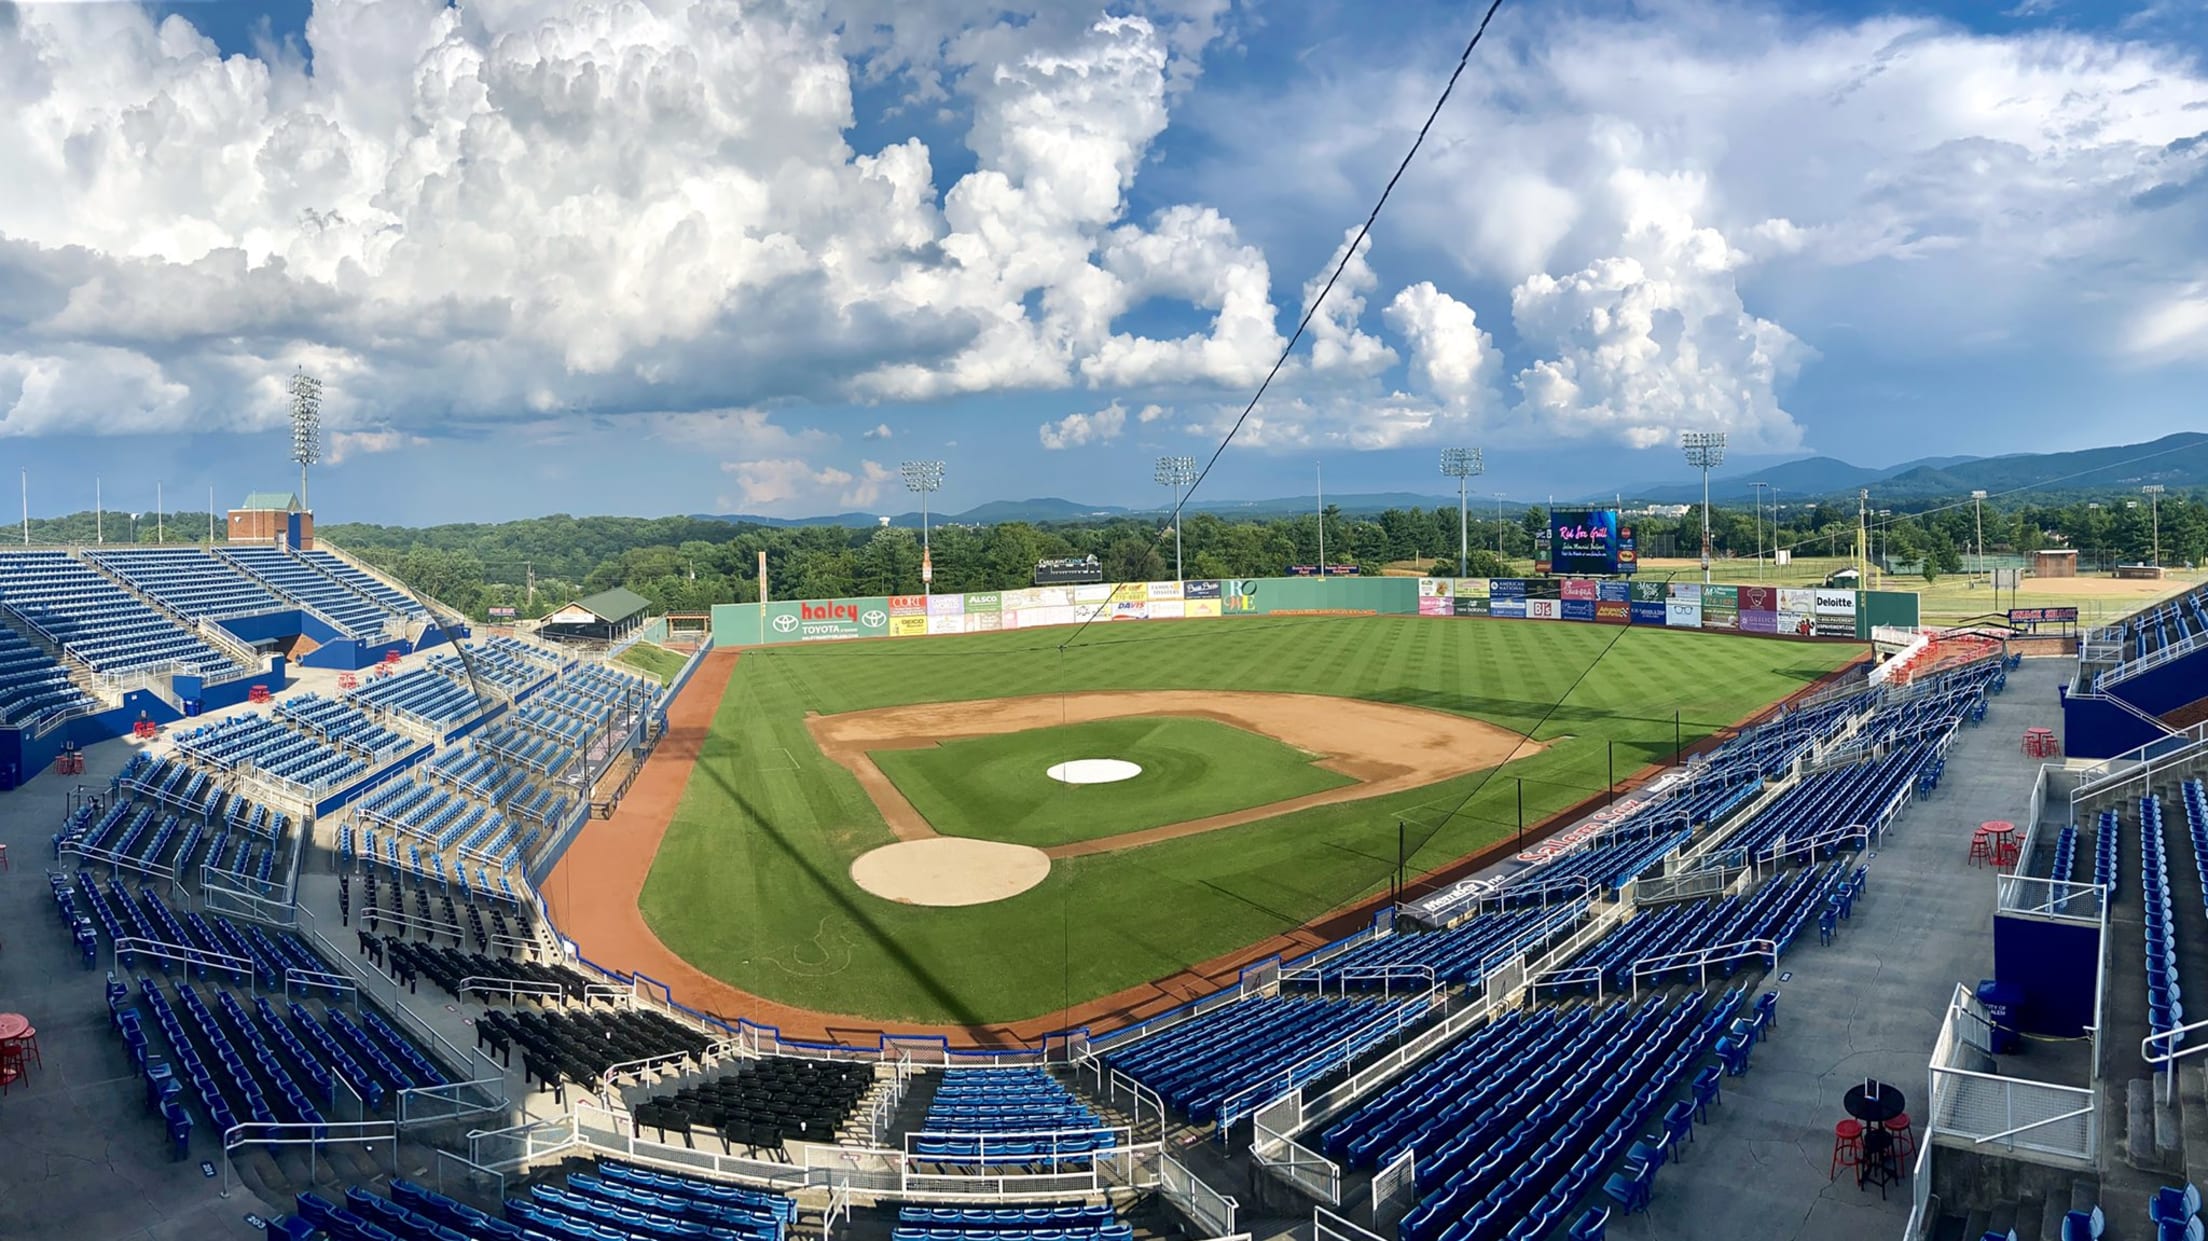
column 1094, row 771
column 949, row 870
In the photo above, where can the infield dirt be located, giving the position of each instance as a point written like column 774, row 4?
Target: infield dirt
column 1383, row 747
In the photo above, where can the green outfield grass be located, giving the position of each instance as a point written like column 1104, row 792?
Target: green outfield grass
column 753, row 883
column 657, row 662
column 999, row 788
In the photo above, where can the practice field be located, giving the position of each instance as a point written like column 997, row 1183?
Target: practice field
column 752, row 882
column 999, row 788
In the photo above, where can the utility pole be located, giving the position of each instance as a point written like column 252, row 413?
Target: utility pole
column 1862, row 538
column 99, row 513
column 210, row 517
column 1759, row 527
column 1321, row 466
column 1978, row 513
column 1500, row 530
column 2154, row 515
column 1461, row 464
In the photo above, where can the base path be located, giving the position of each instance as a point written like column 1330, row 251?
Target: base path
column 1384, row 747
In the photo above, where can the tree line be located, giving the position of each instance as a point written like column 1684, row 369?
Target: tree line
column 687, row 564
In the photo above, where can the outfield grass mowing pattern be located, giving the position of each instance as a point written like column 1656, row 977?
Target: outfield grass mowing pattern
column 999, row 787
column 752, row 883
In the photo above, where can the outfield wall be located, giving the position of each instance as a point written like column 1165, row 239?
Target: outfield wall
column 1755, row 609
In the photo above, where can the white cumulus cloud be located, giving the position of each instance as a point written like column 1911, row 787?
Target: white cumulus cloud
column 1079, row 430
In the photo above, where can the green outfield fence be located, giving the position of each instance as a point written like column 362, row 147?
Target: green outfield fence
column 1751, row 609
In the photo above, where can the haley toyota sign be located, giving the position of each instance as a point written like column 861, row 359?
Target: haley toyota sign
column 821, row 620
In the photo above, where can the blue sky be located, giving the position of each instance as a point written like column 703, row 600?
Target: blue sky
column 571, row 256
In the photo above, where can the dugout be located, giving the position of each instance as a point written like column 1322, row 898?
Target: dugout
column 608, row 616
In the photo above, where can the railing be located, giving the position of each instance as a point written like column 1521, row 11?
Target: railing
column 1211, row 1210
column 424, row 1105
column 120, row 861
column 508, row 989
column 2153, row 659
column 132, row 946
column 1920, row 1193
column 1987, row 1108
column 1701, row 959
column 1239, row 1104
column 1327, row 1103
column 1298, row 1165
column 2050, row 898
column 1327, row 1226
column 1394, row 1186
column 517, row 1146
column 1082, row 1144
column 2139, row 764
column 312, row 1136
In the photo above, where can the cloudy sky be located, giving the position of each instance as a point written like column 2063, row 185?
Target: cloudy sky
column 655, row 256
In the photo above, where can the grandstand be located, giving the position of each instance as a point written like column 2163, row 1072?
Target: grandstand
column 89, row 618
column 2141, row 677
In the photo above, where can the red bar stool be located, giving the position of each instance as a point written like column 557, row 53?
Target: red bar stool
column 1847, row 1147
column 1904, row 1135
column 1981, row 847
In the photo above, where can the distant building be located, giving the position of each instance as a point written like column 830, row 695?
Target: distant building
column 273, row 517
column 1661, row 510
column 608, row 616
column 2055, row 562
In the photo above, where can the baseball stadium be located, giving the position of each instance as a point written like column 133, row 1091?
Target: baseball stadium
column 1388, row 907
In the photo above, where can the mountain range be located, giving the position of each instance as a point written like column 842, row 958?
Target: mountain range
column 2177, row 461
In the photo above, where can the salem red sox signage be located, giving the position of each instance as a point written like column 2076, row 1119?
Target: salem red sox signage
column 826, row 620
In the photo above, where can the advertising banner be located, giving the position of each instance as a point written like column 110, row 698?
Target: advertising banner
column 1577, row 609
column 1687, row 590
column 1544, row 588
column 908, row 626
column 1163, row 590
column 1590, row 541
column 1093, row 592
column 2040, row 616
column 1720, row 607
column 1469, row 605
column 1129, row 609
column 1428, row 587
column 982, row 622
column 1014, row 600
column 1131, row 592
column 908, row 605
column 1544, row 609
column 1613, row 611
column 1238, row 596
column 1436, row 605
column 1167, row 609
column 1471, row 588
column 1205, row 589
column 1758, row 622
column 1502, row 606
column 1795, row 623
column 1759, row 598
column 947, row 624
column 1506, row 587
column 1615, row 592
column 984, row 601
column 1834, row 602
column 947, row 605
column 1578, row 588
column 1201, row 607
column 1061, row 614
column 1683, row 614
column 827, row 620
column 1647, row 611
column 1648, row 592
column 1792, row 600
column 1050, row 597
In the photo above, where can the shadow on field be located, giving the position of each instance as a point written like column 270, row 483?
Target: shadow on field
column 960, row 1012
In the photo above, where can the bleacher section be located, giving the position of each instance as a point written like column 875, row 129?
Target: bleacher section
column 2165, row 1006
column 582, row 1047
column 1201, row 1063
column 189, row 581
column 2163, row 626
column 1009, row 1116
column 375, row 588
column 433, row 702
column 1462, row 954
column 508, row 666
column 1717, row 936
column 33, row 688
column 238, row 837
column 763, row 1104
column 259, row 744
column 1069, row 1222
column 511, row 979
column 488, row 909
column 351, row 613
column 446, row 821
column 617, row 1202
column 97, row 621
column 342, row 725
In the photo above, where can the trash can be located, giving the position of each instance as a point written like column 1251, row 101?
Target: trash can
column 2001, row 1001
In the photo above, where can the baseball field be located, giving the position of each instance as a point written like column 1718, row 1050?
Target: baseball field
column 1274, row 760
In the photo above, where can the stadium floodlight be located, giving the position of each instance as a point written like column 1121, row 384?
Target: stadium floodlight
column 306, row 426
column 1705, row 451
column 1176, row 472
column 1461, row 464
column 1978, row 514
column 1759, row 527
column 2153, row 493
column 924, row 478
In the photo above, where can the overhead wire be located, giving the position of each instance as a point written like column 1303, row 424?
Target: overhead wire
column 1310, row 312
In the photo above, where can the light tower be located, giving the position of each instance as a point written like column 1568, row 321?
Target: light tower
column 306, row 426
column 1705, row 451
column 1176, row 472
column 1759, row 527
column 2153, row 492
column 924, row 478
column 1461, row 464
